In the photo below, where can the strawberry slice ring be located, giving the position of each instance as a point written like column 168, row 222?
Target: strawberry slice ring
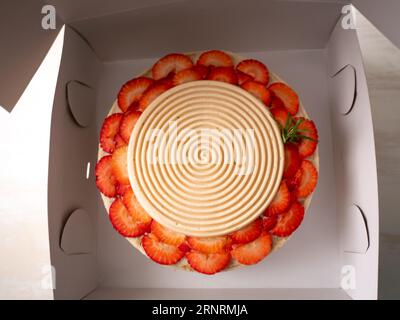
column 270, row 226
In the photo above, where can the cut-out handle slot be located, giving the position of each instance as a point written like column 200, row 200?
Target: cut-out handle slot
column 345, row 88
column 81, row 102
column 356, row 233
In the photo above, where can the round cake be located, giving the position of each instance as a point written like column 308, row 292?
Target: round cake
column 207, row 161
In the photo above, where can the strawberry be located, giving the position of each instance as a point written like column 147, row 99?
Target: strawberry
column 287, row 95
column 108, row 132
column 119, row 142
column 289, row 221
column 208, row 244
column 224, row 74
column 123, row 221
column 105, row 179
column 170, row 64
column 120, row 165
column 308, row 146
column 294, row 181
column 281, row 202
column 308, row 177
column 203, row 70
column 208, row 263
column 127, row 124
column 242, row 77
column 184, row 247
column 292, row 160
column 152, row 93
column 253, row 252
column 132, row 91
column 134, row 207
column 269, row 222
column 277, row 103
column 258, row 90
column 215, row 58
column 166, row 235
column 161, row 252
column 255, row 69
column 248, row 233
column 188, row 75
column 280, row 115
column 121, row 188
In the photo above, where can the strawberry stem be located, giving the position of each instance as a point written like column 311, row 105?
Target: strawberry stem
column 291, row 132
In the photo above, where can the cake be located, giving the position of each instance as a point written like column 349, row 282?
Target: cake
column 207, row 161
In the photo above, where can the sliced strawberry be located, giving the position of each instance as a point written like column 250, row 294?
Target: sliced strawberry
column 161, row 252
column 188, row 75
column 293, row 182
column 287, row 95
column 168, row 81
column 277, row 103
column 292, row 160
column 289, row 221
column 134, row 207
column 224, row 74
column 121, row 189
column 127, row 124
column 184, row 247
column 306, row 146
column 281, row 201
column 166, row 235
column 120, row 165
column 255, row 69
column 215, row 58
column 105, row 179
column 203, row 70
column 248, row 233
column 258, row 90
column 170, row 64
column 253, row 252
column 269, row 222
column 123, row 221
column 281, row 115
column 132, row 91
column 133, row 107
column 242, row 77
column 209, row 244
column 208, row 263
column 308, row 175
column 119, row 142
column 108, row 132
column 152, row 93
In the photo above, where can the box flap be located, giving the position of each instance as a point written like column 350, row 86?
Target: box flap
column 384, row 15
column 24, row 46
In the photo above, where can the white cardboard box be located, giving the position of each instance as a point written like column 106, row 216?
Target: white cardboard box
column 333, row 255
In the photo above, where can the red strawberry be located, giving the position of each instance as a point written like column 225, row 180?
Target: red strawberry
column 215, row 58
column 152, row 93
column 188, row 75
column 184, row 247
column 121, row 188
column 203, row 70
column 123, row 221
column 287, row 95
column 132, row 91
column 166, row 235
column 277, row 103
column 294, row 181
column 161, row 252
column 292, row 160
column 248, row 233
column 120, row 165
column 119, row 142
column 269, row 222
column 308, row 177
column 134, row 207
column 258, row 90
column 224, row 74
column 208, row 263
column 108, row 132
column 253, row 252
column 171, row 64
column 127, row 124
column 242, row 77
column 307, row 147
column 105, row 179
column 280, row 114
column 281, row 201
column 208, row 244
column 255, row 69
column 289, row 221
